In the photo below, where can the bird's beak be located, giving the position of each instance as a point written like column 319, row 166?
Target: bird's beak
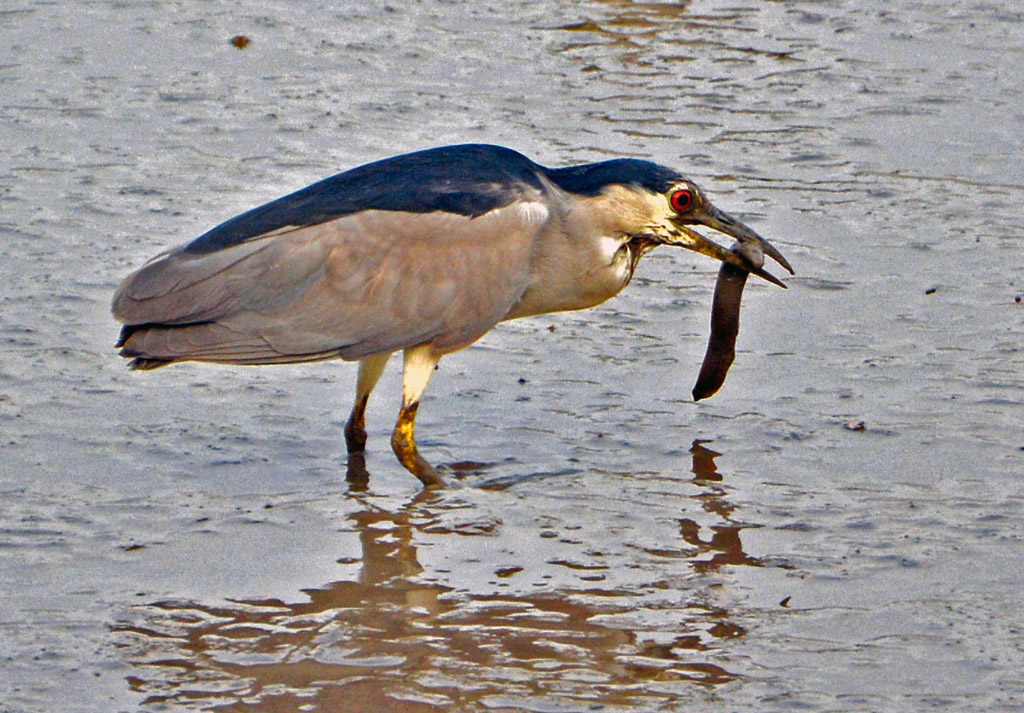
column 725, row 223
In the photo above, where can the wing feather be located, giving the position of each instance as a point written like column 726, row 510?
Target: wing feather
column 366, row 283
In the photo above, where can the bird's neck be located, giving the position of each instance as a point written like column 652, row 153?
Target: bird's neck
column 638, row 246
column 584, row 275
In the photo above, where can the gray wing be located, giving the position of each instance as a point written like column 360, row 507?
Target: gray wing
column 366, row 283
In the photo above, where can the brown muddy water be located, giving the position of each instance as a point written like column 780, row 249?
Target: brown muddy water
column 839, row 529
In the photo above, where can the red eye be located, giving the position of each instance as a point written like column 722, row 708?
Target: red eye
column 682, row 200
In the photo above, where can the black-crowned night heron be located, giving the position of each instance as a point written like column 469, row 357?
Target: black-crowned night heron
column 423, row 253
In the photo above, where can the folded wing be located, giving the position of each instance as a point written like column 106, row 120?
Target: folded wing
column 366, row 283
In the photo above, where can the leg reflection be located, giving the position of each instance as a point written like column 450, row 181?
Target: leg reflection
column 356, row 474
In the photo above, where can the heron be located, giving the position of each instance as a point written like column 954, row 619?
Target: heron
column 421, row 253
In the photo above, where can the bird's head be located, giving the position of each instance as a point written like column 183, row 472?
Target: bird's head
column 658, row 206
column 684, row 205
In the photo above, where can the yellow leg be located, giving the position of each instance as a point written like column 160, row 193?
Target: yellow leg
column 419, row 366
column 370, row 370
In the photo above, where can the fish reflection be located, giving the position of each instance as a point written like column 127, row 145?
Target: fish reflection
column 390, row 641
column 724, row 543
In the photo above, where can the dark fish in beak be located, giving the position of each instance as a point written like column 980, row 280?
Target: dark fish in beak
column 725, row 319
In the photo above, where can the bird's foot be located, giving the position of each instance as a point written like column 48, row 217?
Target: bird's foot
column 355, row 438
column 403, row 443
column 416, row 464
column 355, row 429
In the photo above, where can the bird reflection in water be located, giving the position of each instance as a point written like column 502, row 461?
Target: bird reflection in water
column 391, row 641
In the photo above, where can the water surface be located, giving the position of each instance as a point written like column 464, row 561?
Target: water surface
column 189, row 539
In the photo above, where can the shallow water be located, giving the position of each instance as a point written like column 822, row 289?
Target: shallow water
column 189, row 538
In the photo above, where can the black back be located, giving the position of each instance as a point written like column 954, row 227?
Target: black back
column 467, row 179
column 470, row 179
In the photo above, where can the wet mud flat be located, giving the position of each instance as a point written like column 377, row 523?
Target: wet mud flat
column 840, row 527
